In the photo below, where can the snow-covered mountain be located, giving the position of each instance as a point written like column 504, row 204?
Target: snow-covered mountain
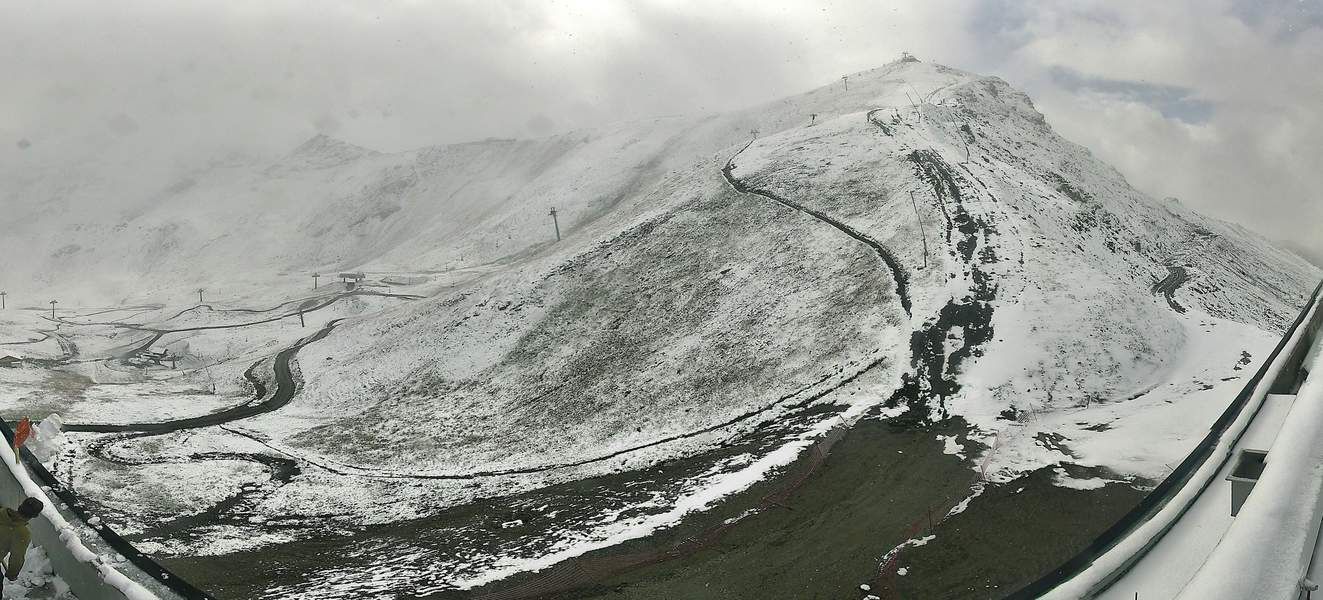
column 921, row 241
column 329, row 205
column 926, row 232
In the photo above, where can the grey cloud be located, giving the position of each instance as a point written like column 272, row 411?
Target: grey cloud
column 1206, row 100
column 1172, row 101
column 1218, row 105
column 999, row 26
column 1286, row 19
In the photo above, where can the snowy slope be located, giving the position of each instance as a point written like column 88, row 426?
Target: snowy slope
column 246, row 230
column 689, row 311
column 923, row 242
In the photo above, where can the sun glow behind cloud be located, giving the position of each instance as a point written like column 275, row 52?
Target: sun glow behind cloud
column 1213, row 102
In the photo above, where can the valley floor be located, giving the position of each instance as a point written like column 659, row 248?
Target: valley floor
column 882, row 506
column 828, row 524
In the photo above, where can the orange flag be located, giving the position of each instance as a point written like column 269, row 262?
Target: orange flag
column 21, row 434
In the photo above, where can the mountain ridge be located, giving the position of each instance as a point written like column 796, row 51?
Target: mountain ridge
column 920, row 249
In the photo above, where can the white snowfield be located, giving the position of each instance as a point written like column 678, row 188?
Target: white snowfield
column 1193, row 548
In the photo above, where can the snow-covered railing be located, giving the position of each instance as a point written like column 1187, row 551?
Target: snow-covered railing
column 1118, row 548
column 88, row 575
column 1270, row 544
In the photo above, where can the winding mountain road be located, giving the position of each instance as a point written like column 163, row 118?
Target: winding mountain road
column 902, row 290
column 286, row 386
column 898, row 273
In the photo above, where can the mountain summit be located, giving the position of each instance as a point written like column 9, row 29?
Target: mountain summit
column 322, row 151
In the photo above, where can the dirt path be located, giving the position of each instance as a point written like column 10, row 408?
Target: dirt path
column 282, row 469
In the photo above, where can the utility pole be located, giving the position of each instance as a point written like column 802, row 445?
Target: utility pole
column 813, row 118
column 314, row 280
column 918, row 100
column 2, row 298
column 301, row 324
column 922, row 231
column 555, row 222
column 200, row 290
column 53, row 303
column 846, row 80
column 915, row 105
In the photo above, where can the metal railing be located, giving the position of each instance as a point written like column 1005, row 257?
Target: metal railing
column 1179, row 477
column 85, row 578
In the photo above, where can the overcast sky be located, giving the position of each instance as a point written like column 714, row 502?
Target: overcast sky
column 1217, row 102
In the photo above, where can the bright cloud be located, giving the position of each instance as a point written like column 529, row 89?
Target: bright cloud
column 1212, row 101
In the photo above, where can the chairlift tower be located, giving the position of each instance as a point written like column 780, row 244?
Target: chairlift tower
column 556, row 222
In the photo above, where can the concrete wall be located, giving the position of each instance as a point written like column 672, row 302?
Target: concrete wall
column 70, row 558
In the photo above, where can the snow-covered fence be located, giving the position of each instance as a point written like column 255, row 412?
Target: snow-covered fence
column 61, row 529
column 1118, row 548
